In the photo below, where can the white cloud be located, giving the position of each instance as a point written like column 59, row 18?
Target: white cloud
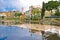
column 27, row 3
column 18, row 4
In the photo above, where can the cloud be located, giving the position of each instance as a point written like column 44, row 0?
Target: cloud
column 8, row 5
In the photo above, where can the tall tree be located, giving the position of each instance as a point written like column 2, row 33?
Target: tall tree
column 43, row 10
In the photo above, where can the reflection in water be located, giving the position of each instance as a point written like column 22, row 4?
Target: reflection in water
column 34, row 31
column 45, row 35
column 22, row 28
column 9, row 22
column 16, row 33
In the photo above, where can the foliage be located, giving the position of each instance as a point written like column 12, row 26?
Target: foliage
column 18, row 14
column 35, row 11
column 52, row 5
column 57, row 13
column 43, row 11
column 28, row 17
column 2, row 17
column 33, row 17
column 36, row 17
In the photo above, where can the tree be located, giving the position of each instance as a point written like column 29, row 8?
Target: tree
column 18, row 14
column 2, row 17
column 35, row 10
column 57, row 13
column 52, row 5
column 43, row 11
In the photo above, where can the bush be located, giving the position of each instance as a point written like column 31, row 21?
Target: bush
column 57, row 13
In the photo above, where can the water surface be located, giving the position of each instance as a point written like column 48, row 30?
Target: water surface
column 17, row 33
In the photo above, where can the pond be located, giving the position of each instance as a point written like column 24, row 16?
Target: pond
column 17, row 33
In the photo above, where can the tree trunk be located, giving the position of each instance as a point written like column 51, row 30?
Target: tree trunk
column 51, row 12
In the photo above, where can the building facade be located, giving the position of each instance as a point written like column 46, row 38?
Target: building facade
column 7, row 14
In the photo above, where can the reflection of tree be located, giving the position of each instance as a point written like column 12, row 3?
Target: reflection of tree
column 31, row 34
column 50, row 36
column 42, row 32
column 53, row 37
column 22, row 28
column 3, row 22
column 34, row 30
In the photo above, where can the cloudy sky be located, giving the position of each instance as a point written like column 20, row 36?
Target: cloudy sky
column 11, row 5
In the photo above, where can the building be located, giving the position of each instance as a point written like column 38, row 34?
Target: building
column 7, row 14
column 30, row 8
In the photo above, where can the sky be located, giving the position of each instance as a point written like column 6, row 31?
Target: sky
column 16, row 5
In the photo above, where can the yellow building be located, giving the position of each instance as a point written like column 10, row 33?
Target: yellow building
column 7, row 14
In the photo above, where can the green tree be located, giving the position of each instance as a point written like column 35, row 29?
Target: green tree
column 18, row 14
column 52, row 5
column 35, row 10
column 43, row 10
column 57, row 13
column 2, row 17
